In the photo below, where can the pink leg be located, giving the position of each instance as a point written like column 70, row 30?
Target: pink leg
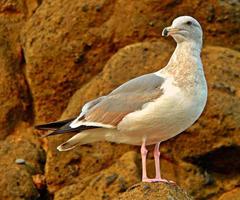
column 144, row 156
column 156, row 154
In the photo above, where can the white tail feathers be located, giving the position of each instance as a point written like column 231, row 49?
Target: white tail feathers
column 77, row 123
column 85, row 137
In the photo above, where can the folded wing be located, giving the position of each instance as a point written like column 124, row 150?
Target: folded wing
column 127, row 98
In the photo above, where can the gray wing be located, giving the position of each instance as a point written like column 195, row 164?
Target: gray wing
column 127, row 98
column 144, row 83
column 89, row 105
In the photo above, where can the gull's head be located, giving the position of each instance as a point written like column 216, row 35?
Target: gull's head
column 184, row 28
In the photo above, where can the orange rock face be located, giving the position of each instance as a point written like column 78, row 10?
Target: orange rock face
column 233, row 195
column 55, row 55
column 66, row 43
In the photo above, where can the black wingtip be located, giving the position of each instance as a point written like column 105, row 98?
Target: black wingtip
column 43, row 127
column 53, row 125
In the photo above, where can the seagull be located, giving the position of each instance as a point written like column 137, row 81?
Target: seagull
column 149, row 109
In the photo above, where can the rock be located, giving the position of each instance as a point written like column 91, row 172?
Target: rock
column 31, row 7
column 149, row 191
column 20, row 154
column 106, row 184
column 18, row 8
column 14, row 92
column 39, row 181
column 16, row 181
column 20, row 161
column 231, row 195
column 65, row 168
column 66, row 43
column 15, row 99
column 64, row 51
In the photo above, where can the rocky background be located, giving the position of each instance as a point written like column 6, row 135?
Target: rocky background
column 55, row 55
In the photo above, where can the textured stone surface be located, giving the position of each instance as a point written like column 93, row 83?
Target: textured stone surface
column 13, row 92
column 231, row 195
column 14, row 97
column 20, row 154
column 148, row 191
column 63, row 169
column 63, row 51
column 106, row 184
column 16, row 177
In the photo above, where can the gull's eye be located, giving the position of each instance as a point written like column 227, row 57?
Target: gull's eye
column 189, row 23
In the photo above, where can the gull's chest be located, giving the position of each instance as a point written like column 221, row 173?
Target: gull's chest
column 167, row 116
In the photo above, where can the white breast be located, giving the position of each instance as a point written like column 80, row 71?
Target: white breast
column 164, row 118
